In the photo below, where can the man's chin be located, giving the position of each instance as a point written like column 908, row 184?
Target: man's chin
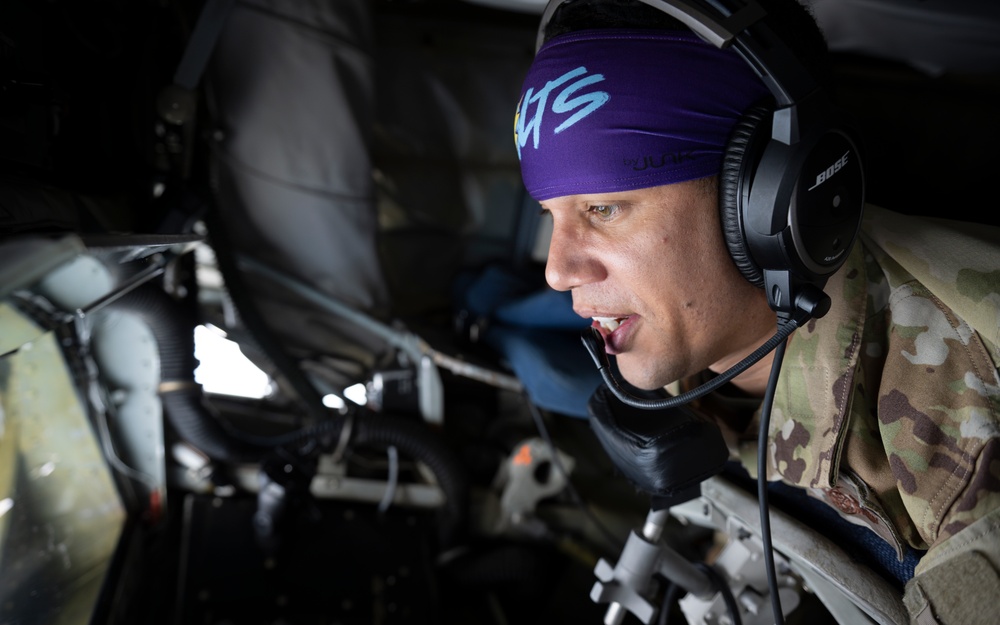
column 639, row 376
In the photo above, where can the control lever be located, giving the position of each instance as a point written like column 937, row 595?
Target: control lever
column 628, row 585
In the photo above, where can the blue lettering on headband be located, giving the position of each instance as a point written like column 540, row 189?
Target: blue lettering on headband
column 587, row 103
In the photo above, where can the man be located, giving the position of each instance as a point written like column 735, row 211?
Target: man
column 887, row 408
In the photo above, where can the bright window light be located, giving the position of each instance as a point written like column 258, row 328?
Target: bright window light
column 333, row 401
column 223, row 368
column 357, row 393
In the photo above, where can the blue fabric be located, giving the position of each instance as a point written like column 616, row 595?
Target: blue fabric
column 860, row 543
column 863, row 545
column 554, row 367
column 517, row 299
column 543, row 309
column 536, row 331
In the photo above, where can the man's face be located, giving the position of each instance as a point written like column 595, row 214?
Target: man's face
column 653, row 264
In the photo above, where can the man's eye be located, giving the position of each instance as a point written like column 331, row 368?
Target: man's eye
column 605, row 210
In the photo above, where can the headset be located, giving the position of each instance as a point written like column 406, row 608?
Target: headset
column 791, row 189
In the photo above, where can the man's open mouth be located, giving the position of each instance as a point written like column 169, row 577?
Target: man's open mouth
column 609, row 323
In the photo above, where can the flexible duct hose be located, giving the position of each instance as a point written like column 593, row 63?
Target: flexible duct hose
column 416, row 440
column 172, row 324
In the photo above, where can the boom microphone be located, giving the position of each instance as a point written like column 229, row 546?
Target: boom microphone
column 811, row 303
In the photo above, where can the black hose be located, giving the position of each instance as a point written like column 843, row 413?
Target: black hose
column 670, row 597
column 416, row 440
column 674, row 592
column 172, row 324
column 727, row 594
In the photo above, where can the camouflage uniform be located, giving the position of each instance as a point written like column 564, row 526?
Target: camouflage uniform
column 888, row 408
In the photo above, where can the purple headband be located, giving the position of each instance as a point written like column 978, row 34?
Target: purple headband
column 613, row 110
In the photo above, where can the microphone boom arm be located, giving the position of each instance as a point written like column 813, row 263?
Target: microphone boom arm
column 594, row 343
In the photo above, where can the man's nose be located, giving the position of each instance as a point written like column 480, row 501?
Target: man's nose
column 569, row 264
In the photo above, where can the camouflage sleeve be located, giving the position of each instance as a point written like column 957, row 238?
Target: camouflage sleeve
column 939, row 397
column 939, row 408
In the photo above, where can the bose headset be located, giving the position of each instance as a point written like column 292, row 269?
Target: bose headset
column 791, row 197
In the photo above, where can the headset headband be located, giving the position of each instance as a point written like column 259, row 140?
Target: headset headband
column 749, row 32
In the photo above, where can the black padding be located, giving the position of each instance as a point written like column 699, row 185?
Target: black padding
column 664, row 453
column 744, row 138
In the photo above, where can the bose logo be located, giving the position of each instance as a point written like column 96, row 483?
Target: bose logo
column 830, row 171
column 568, row 100
column 830, row 259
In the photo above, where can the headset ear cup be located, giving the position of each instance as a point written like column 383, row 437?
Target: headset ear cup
column 741, row 141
